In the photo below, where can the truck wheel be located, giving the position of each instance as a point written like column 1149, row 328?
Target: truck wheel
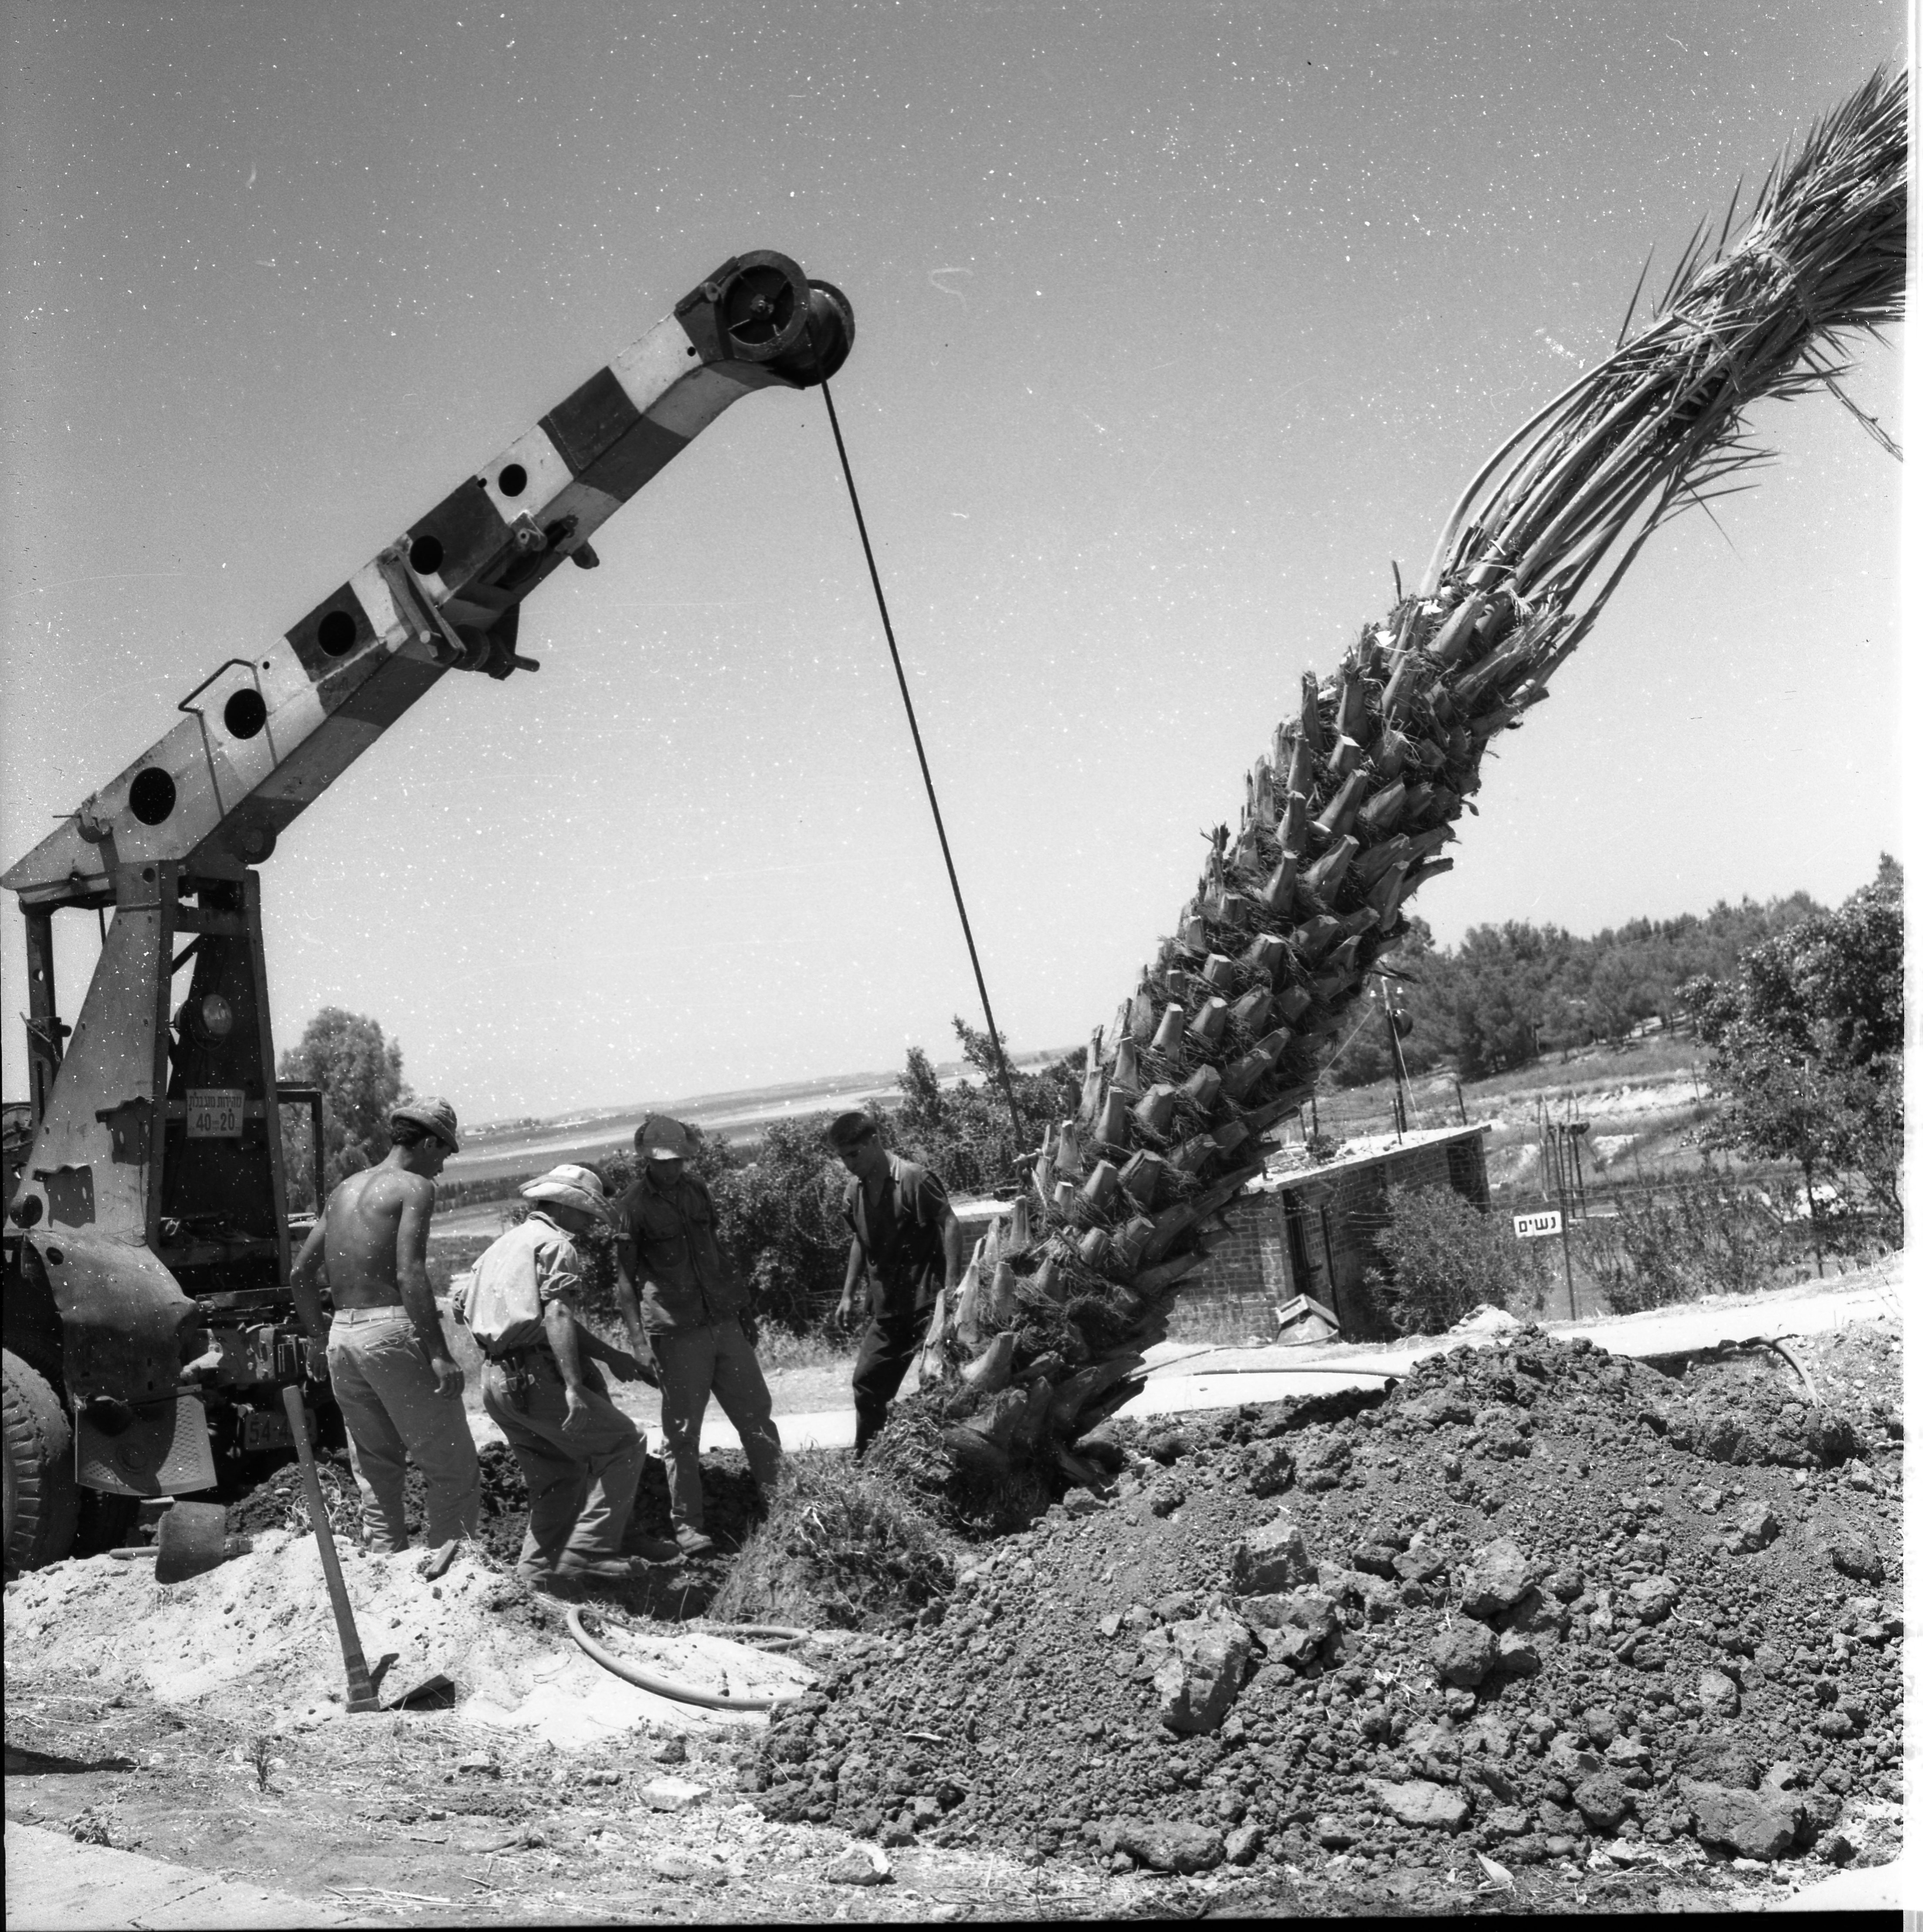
column 42, row 1499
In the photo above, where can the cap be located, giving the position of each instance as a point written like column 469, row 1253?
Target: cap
column 572, row 1186
column 845, row 1129
column 429, row 1111
column 660, row 1138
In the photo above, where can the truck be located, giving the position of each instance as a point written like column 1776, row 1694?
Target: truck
column 149, row 1327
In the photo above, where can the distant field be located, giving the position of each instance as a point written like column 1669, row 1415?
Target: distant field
column 516, row 1152
column 1646, row 1103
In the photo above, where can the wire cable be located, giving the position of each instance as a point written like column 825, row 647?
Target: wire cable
column 934, row 806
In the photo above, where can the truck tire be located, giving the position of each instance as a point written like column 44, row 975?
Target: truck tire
column 42, row 1499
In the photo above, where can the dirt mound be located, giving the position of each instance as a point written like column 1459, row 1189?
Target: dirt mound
column 279, row 1501
column 255, row 1639
column 1519, row 1607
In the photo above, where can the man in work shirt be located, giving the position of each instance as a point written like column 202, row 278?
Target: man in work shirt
column 691, row 1304
column 393, row 1376
column 581, row 1456
column 907, row 1241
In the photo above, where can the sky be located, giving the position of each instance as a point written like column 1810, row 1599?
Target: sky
column 1177, row 327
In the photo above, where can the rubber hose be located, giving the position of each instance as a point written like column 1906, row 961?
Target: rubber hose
column 784, row 1633
column 667, row 1687
column 1802, row 1373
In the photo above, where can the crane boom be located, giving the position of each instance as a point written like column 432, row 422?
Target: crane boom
column 263, row 737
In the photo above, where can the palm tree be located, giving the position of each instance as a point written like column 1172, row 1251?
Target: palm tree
column 1349, row 812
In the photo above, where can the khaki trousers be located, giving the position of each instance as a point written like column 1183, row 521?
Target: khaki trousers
column 386, row 1393
column 695, row 1364
column 580, row 1488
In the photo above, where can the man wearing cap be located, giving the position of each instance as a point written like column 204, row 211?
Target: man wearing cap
column 905, row 1239
column 581, row 1456
column 690, row 1305
column 393, row 1374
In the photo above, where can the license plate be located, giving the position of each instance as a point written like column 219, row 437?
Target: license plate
column 264, row 1430
column 215, row 1113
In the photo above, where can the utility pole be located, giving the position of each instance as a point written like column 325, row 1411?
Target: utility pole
column 1562, row 1204
column 1398, row 1067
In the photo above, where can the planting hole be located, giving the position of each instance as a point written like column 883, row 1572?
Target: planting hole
column 425, row 553
column 513, row 480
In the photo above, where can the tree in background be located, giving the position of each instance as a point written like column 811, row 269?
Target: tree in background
column 358, row 1070
column 1511, row 992
column 1808, row 1038
column 964, row 1132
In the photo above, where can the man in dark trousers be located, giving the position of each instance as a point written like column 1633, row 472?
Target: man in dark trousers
column 907, row 1241
column 691, row 1302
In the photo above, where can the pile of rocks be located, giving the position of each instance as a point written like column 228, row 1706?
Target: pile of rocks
column 1517, row 1610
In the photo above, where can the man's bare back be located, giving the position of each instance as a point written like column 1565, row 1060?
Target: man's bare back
column 371, row 1244
column 374, row 1219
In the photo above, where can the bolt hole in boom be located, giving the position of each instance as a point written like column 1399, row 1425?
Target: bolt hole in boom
column 512, row 480
column 152, row 795
column 425, row 554
column 335, row 633
column 245, row 714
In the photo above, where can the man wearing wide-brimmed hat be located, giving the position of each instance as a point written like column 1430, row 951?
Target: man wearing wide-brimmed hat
column 692, row 1301
column 393, row 1373
column 581, row 1456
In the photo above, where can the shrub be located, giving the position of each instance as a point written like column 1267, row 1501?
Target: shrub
column 964, row 1132
column 1444, row 1256
column 1708, row 1237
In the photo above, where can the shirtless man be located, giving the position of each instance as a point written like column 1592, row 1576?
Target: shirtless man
column 398, row 1389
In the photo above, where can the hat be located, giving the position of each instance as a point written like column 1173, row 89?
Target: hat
column 845, row 1129
column 433, row 1113
column 572, row 1186
column 660, row 1138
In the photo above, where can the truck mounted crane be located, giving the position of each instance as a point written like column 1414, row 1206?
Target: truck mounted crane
column 149, row 1327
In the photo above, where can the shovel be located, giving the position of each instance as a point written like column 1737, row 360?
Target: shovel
column 192, row 1537
column 360, row 1687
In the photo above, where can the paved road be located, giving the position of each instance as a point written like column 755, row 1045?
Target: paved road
column 52, row 1881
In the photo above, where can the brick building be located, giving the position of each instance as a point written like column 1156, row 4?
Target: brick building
column 1308, row 1229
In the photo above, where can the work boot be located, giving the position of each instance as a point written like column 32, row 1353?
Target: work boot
column 651, row 1549
column 693, row 1542
column 607, row 1569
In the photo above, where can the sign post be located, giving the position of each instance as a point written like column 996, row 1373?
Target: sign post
column 1550, row 1221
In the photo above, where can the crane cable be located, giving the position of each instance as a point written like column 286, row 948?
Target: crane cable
column 928, row 780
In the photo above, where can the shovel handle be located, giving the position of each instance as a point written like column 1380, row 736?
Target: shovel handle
column 360, row 1687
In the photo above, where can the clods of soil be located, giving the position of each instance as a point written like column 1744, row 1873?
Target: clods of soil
column 1539, row 1609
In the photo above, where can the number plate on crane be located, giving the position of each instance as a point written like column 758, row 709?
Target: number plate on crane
column 215, row 1113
